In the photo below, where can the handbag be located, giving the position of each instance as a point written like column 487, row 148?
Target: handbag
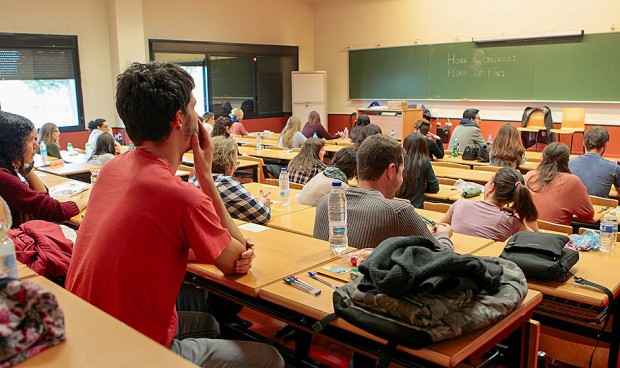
column 483, row 154
column 471, row 152
column 541, row 256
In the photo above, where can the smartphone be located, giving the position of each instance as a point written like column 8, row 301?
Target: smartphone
column 27, row 169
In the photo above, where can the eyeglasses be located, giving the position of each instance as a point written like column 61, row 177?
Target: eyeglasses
column 237, row 164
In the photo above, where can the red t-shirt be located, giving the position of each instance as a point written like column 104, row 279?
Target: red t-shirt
column 131, row 253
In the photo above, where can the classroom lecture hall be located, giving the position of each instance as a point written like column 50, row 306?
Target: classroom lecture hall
column 309, row 183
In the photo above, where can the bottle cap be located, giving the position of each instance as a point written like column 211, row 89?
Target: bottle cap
column 283, row 169
column 336, row 183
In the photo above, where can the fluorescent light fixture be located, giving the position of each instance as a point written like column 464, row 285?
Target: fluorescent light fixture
column 542, row 37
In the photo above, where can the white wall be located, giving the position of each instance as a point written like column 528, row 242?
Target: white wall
column 365, row 23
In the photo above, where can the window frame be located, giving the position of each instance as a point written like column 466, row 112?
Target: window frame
column 210, row 49
column 46, row 41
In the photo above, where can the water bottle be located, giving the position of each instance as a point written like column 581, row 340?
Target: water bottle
column 607, row 230
column 43, row 150
column 8, row 262
column 89, row 150
column 337, row 212
column 489, row 141
column 94, row 169
column 315, row 136
column 345, row 133
column 392, row 134
column 259, row 145
column 614, row 219
column 69, row 147
column 455, row 148
column 285, row 196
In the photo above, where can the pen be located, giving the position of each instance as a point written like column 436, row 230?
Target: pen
column 266, row 195
column 320, row 279
column 300, row 287
column 430, row 222
column 302, row 282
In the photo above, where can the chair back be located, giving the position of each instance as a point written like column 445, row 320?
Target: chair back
column 450, row 164
column 276, row 182
column 487, row 168
column 600, row 201
column 437, row 207
column 553, row 227
column 261, row 166
column 574, row 118
column 537, row 120
column 401, row 200
column 446, row 181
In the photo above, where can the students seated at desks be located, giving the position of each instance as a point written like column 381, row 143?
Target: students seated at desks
column 291, row 136
column 433, row 142
column 313, row 125
column 208, row 120
column 342, row 169
column 97, row 127
column 468, row 131
column 240, row 203
column 360, row 133
column 558, row 194
column 222, row 127
column 371, row 215
column 308, row 162
column 507, row 150
column 28, row 197
column 596, row 173
column 418, row 175
column 236, row 116
column 50, row 134
column 143, row 223
column 105, row 149
column 361, row 121
column 507, row 208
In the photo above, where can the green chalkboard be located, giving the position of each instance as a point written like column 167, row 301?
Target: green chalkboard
column 586, row 69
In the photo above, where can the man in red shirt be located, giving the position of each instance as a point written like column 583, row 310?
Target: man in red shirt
column 143, row 222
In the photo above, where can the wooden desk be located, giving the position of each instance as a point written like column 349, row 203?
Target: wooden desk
column 445, row 172
column 95, row 339
column 477, row 176
column 278, row 254
column 251, row 141
column 444, row 194
column 459, row 160
column 613, row 193
column 299, row 222
column 333, row 148
column 448, row 353
column 276, row 207
column 24, row 271
column 339, row 142
column 52, row 180
column 268, row 153
column 67, row 169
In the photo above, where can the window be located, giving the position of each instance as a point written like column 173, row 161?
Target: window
column 255, row 78
column 40, row 79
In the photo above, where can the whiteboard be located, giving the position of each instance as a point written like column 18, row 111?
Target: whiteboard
column 309, row 87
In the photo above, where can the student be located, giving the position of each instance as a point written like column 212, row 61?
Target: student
column 418, row 177
column 208, row 120
column 558, row 194
column 352, row 120
column 507, row 150
column 360, row 133
column 596, row 173
column 105, row 149
column 507, row 208
column 222, row 127
column 468, row 131
column 144, row 223
column 50, row 134
column 362, row 120
column 314, row 126
column 28, row 197
column 97, row 127
column 236, row 116
column 291, row 136
column 371, row 216
column 240, row 203
column 433, row 142
column 308, row 162
column 341, row 169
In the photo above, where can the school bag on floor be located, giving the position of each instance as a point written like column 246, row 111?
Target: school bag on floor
column 412, row 295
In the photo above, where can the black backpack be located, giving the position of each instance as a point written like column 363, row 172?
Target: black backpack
column 471, row 152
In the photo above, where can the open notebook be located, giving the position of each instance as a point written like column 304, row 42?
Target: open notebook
column 67, row 189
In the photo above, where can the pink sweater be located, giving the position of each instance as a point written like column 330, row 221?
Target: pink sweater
column 564, row 197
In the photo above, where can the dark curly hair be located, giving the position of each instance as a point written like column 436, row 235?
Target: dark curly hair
column 148, row 97
column 14, row 130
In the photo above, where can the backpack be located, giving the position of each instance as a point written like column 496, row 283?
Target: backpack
column 422, row 318
column 483, row 154
column 471, row 152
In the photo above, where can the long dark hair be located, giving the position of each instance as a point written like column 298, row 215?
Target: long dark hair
column 416, row 158
column 510, row 187
column 554, row 161
column 220, row 125
column 14, row 130
column 105, row 144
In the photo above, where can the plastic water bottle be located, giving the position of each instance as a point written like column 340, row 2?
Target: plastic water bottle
column 89, row 150
column 455, row 148
column 345, row 133
column 315, row 136
column 490, row 141
column 614, row 219
column 94, row 169
column 43, row 150
column 392, row 134
column 607, row 233
column 259, row 145
column 69, row 147
column 285, row 195
column 8, row 263
column 337, row 211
